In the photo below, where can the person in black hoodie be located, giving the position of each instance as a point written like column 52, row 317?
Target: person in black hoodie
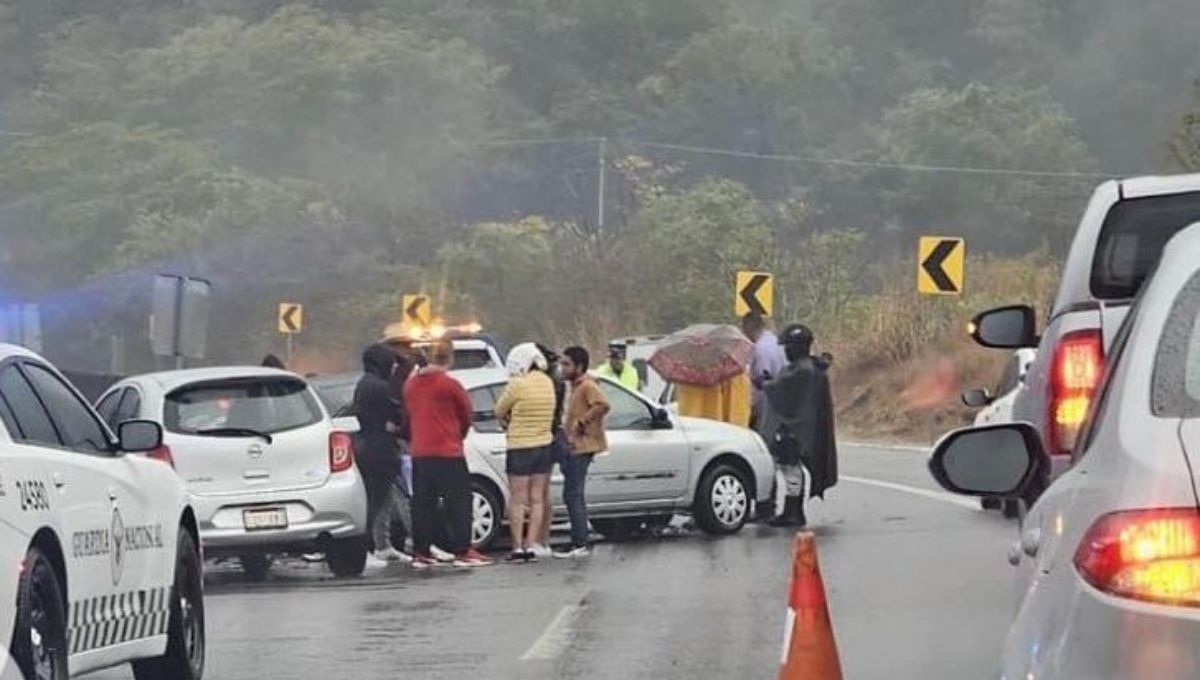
column 378, row 454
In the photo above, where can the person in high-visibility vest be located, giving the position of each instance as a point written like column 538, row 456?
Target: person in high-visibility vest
column 617, row 369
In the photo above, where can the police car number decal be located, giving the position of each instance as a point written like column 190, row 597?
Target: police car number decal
column 33, row 495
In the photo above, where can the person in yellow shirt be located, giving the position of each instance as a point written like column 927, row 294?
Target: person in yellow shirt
column 616, row 368
column 527, row 410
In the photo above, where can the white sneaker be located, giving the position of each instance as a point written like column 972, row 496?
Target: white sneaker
column 570, row 553
column 390, row 554
column 540, row 550
column 375, row 563
column 440, row 555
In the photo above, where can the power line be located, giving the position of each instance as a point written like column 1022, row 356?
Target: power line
column 846, row 162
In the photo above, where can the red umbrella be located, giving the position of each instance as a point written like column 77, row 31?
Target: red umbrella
column 703, row 354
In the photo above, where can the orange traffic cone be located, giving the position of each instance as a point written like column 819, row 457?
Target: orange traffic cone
column 809, row 650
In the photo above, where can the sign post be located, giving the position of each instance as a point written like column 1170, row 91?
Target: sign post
column 940, row 265
column 291, row 322
column 754, row 292
column 179, row 317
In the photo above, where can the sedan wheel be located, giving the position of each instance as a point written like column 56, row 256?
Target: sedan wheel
column 722, row 500
column 729, row 500
column 485, row 515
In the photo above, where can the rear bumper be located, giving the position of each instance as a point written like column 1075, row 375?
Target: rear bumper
column 1115, row 638
column 335, row 510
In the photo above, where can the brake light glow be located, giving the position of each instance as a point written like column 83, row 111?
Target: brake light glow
column 162, row 453
column 1151, row 555
column 1076, row 370
column 341, row 451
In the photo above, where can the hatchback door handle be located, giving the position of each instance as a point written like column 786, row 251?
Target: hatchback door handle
column 1031, row 541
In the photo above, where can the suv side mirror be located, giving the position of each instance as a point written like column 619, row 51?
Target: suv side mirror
column 661, row 420
column 997, row 461
column 1013, row 327
column 977, row 398
column 139, row 436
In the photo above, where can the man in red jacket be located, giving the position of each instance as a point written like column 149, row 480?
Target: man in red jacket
column 439, row 417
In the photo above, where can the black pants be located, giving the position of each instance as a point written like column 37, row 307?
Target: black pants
column 378, row 480
column 447, row 481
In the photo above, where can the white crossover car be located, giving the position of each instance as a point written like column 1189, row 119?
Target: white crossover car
column 659, row 464
column 269, row 471
column 105, row 540
column 1109, row 556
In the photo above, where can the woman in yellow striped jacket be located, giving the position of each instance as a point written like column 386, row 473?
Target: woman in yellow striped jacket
column 527, row 410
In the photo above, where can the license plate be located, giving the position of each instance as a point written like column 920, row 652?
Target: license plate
column 264, row 518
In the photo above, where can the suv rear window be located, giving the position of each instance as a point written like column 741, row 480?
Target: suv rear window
column 262, row 404
column 1132, row 239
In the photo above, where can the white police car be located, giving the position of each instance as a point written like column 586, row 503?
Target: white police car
column 102, row 561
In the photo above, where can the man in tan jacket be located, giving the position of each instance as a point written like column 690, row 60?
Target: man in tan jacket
column 584, row 425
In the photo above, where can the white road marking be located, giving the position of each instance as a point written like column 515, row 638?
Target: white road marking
column 903, row 448
column 961, row 501
column 557, row 636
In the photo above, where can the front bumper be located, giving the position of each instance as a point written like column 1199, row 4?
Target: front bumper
column 338, row 509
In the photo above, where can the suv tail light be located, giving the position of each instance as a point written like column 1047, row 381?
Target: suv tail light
column 1149, row 555
column 341, row 451
column 163, row 453
column 1075, row 373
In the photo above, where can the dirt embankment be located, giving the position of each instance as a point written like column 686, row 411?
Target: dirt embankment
column 902, row 360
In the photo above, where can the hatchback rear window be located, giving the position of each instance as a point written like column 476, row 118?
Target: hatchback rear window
column 1132, row 239
column 1175, row 391
column 264, row 405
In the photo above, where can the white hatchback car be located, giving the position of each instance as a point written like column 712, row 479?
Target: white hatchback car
column 101, row 546
column 269, row 471
column 659, row 464
column 1109, row 556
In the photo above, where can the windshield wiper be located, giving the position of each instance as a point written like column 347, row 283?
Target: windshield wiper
column 234, row 432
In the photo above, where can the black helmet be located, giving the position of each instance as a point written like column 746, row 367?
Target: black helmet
column 796, row 335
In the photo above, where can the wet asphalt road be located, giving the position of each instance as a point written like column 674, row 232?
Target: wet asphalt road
column 918, row 587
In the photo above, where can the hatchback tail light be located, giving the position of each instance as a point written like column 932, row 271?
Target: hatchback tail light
column 1075, row 373
column 1151, row 555
column 163, row 453
column 341, row 451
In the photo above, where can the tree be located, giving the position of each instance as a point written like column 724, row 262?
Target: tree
column 978, row 126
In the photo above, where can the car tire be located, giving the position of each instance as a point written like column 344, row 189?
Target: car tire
column 255, row 567
column 39, row 642
column 347, row 557
column 184, row 659
column 617, row 528
column 722, row 503
column 487, row 514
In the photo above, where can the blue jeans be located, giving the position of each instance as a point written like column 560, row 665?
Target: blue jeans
column 575, row 470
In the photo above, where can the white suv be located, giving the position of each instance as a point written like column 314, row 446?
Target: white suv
column 268, row 469
column 101, row 553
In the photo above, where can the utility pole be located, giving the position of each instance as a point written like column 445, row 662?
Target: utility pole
column 600, row 188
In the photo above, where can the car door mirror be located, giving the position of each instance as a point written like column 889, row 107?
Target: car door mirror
column 661, row 420
column 347, row 424
column 977, row 398
column 998, row 461
column 1013, row 327
column 139, row 436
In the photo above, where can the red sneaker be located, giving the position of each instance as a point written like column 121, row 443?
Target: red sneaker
column 472, row 558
